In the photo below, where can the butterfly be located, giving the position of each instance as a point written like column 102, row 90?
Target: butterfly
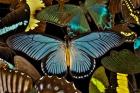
column 129, row 12
column 53, row 84
column 124, row 62
column 125, row 31
column 122, row 81
column 15, row 20
column 22, row 64
column 128, row 9
column 99, row 81
column 74, row 17
column 15, row 81
column 77, row 55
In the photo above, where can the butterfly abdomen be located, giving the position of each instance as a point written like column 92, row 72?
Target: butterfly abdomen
column 68, row 60
column 14, row 82
column 122, row 83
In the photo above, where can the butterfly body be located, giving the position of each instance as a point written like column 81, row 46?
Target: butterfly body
column 68, row 56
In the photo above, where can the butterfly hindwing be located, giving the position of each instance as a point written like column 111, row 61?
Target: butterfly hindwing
column 55, row 63
column 82, row 64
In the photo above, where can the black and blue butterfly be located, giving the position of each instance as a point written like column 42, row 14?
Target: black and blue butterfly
column 77, row 55
column 16, row 19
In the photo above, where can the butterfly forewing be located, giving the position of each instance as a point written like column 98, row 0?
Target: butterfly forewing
column 34, row 45
column 98, row 43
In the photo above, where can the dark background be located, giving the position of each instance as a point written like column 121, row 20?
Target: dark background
column 81, row 84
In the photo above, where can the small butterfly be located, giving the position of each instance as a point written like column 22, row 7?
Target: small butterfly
column 129, row 12
column 125, row 31
column 74, row 17
column 128, row 9
column 99, row 81
column 13, row 81
column 77, row 55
